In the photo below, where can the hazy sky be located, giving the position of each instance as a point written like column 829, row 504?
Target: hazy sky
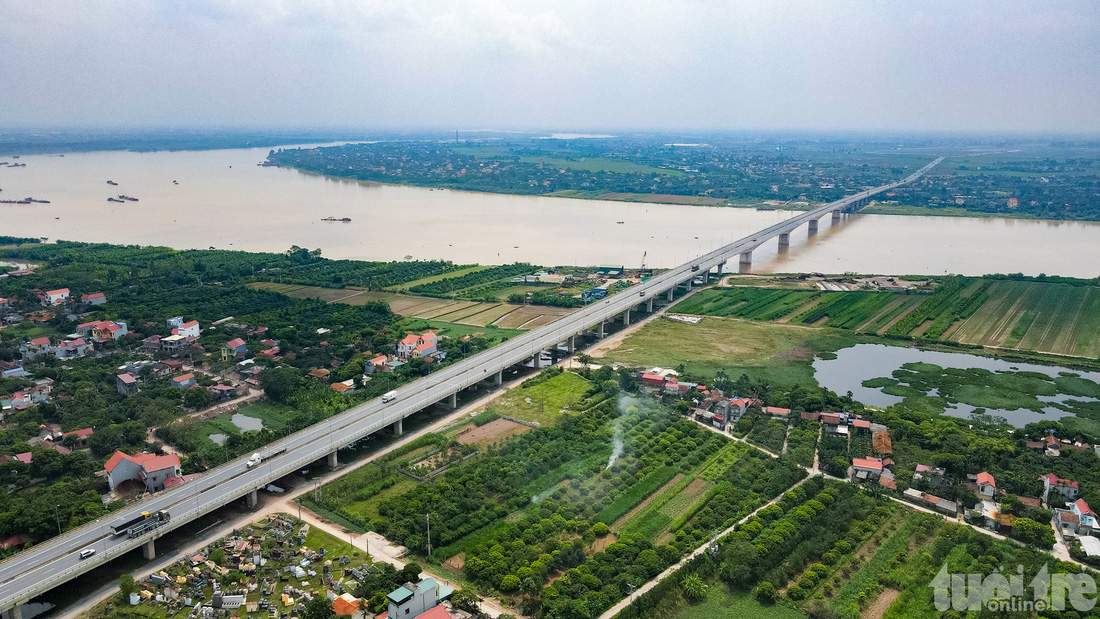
column 588, row 64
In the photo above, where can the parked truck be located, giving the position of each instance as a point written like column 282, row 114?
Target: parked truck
column 141, row 524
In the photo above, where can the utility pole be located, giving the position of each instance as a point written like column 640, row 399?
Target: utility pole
column 58, row 516
column 428, row 518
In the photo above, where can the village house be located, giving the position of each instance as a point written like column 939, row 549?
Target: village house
column 237, row 346
column 1079, row 519
column 126, row 384
column 419, row 600
column 778, row 413
column 866, row 468
column 173, row 343
column 150, row 469
column 95, row 298
column 417, row 346
column 36, row 348
column 184, row 381
column 836, row 423
column 9, row 369
column 933, row 475
column 109, row 330
column 187, row 329
column 1053, row 446
column 987, row 486
column 73, row 349
column 52, row 298
column 1058, row 489
column 82, row 437
column 150, row 345
column 319, row 373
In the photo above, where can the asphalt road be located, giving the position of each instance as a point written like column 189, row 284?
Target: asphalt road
column 46, row 565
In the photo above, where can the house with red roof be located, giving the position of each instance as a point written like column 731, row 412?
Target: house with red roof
column 109, row 330
column 51, row 298
column 1058, row 489
column 1087, row 522
column 184, row 381
column 861, row 425
column 187, row 329
column 95, row 298
column 346, row 605
column 82, row 437
column 237, row 346
column 414, row 346
column 73, row 349
column 35, row 348
column 126, row 384
column 652, row 380
column 987, row 486
column 150, row 469
column 778, row 413
column 866, row 468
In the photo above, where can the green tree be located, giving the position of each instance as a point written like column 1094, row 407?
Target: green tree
column 466, row 599
column 318, row 608
column 126, row 586
column 765, row 593
column 196, row 398
column 509, row 583
column 693, row 587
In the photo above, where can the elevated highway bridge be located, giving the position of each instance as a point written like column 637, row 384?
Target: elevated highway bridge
column 45, row 566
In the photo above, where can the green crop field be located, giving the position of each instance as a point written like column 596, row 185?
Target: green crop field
column 1048, row 317
column 542, row 403
column 723, row 603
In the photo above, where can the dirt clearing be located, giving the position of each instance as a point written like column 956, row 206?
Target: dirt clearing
column 495, row 430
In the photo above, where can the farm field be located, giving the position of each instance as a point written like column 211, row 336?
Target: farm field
column 435, row 278
column 778, row 353
column 474, row 313
column 1046, row 317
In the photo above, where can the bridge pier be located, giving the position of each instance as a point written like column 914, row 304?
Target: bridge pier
column 745, row 264
column 252, row 499
column 784, row 241
column 626, row 318
column 721, row 266
column 570, row 345
column 149, row 550
column 398, row 428
column 452, row 400
column 16, row 612
column 687, row 284
column 836, row 217
column 812, row 227
column 649, row 305
column 331, row 460
column 601, row 333
column 669, row 296
column 498, row 378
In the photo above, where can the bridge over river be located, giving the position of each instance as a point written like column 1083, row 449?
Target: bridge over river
column 47, row 565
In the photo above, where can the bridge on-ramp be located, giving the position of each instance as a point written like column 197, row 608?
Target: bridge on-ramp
column 45, row 566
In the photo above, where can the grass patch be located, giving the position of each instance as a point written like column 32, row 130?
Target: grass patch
column 723, row 603
column 435, row 278
column 543, row 403
column 636, row 494
column 780, row 354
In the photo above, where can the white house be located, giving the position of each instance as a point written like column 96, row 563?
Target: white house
column 1061, row 490
column 187, row 329
column 54, row 297
column 417, row 346
column 150, row 469
column 866, row 468
column 96, row 298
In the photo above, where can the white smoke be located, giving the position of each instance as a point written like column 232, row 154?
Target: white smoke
column 617, row 449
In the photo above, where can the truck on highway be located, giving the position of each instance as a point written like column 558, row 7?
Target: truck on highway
column 146, row 521
column 257, row 458
column 389, row 396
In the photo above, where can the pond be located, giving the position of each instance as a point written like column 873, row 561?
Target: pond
column 960, row 384
column 244, row 423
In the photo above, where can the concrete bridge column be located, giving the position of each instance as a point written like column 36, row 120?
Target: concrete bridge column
column 452, row 400
column 721, row 266
column 745, row 264
column 149, row 550
column 331, row 460
column 498, row 378
column 570, row 345
column 398, row 429
column 784, row 240
column 601, row 334
column 812, row 227
column 252, row 498
column 16, row 611
column 649, row 305
column 836, row 216
column 687, row 284
column 626, row 318
column 669, row 297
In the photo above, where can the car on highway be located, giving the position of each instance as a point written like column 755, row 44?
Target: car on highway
column 87, row 552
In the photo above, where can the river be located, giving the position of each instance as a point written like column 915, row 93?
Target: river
column 221, row 198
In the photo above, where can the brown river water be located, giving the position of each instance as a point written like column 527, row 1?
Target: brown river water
column 223, row 199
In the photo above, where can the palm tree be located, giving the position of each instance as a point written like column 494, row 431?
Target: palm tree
column 693, row 587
